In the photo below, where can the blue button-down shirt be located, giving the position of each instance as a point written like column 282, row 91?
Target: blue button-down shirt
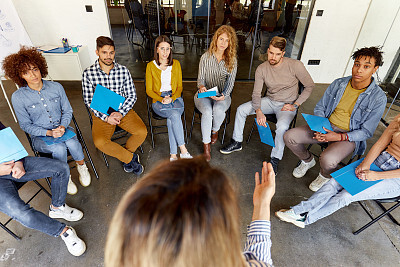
column 39, row 111
column 366, row 113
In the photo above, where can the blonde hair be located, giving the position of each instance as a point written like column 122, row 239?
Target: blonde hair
column 231, row 51
column 183, row 213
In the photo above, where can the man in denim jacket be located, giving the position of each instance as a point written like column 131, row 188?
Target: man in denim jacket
column 354, row 106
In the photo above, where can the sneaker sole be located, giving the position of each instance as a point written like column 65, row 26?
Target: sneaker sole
column 298, row 224
column 226, row 152
column 60, row 217
column 301, row 176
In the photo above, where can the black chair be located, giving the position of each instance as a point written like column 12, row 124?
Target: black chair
column 226, row 121
column 19, row 185
column 80, row 139
column 272, row 117
column 152, row 115
column 118, row 133
column 136, row 22
column 395, row 200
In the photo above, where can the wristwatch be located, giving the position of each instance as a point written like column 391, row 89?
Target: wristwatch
column 295, row 105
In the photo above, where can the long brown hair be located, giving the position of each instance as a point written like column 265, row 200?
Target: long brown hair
column 231, row 51
column 183, row 213
column 160, row 39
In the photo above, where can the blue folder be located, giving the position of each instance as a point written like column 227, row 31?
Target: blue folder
column 316, row 123
column 49, row 140
column 58, row 50
column 105, row 100
column 207, row 94
column 265, row 134
column 10, row 147
column 347, row 178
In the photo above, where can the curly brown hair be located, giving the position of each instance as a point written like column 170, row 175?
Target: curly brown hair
column 231, row 51
column 15, row 65
column 373, row 51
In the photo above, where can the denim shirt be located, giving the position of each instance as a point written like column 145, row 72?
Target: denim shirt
column 366, row 113
column 40, row 111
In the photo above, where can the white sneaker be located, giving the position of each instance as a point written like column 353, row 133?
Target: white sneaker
column 291, row 217
column 84, row 175
column 302, row 169
column 75, row 245
column 318, row 183
column 72, row 189
column 66, row 212
column 186, row 156
column 173, row 159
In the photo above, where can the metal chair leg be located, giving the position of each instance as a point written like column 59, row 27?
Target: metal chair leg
column 184, row 126
column 105, row 159
column 150, row 123
column 10, row 232
column 191, row 127
column 251, row 132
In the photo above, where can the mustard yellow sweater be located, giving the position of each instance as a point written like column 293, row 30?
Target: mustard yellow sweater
column 153, row 81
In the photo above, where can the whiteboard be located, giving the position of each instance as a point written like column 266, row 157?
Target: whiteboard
column 12, row 32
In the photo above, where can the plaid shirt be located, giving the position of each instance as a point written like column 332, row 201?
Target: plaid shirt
column 119, row 81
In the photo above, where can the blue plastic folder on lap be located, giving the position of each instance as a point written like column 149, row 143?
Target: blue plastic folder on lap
column 207, row 94
column 49, row 140
column 265, row 134
column 58, row 50
column 10, row 147
column 105, row 100
column 347, row 178
column 316, row 123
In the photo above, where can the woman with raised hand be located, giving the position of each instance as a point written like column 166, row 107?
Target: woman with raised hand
column 217, row 68
column 385, row 153
column 43, row 109
column 186, row 213
column 164, row 86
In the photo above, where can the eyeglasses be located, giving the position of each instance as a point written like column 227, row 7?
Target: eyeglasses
column 165, row 49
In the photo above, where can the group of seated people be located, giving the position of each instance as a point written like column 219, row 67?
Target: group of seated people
column 184, row 212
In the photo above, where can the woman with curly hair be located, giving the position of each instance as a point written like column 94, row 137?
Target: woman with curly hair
column 164, row 86
column 43, row 109
column 217, row 68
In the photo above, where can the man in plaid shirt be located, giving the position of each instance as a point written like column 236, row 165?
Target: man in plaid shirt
column 117, row 78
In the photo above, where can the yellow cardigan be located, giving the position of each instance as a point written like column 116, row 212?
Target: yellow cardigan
column 153, row 81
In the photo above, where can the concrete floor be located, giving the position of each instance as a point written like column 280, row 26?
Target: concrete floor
column 328, row 242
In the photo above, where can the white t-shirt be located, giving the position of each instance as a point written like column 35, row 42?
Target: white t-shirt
column 165, row 78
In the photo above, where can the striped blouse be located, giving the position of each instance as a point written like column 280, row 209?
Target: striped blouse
column 257, row 250
column 212, row 73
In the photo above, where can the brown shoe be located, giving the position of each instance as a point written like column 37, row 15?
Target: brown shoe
column 207, row 151
column 214, row 137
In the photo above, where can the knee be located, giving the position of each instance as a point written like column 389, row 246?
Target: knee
column 288, row 137
column 328, row 161
column 141, row 131
column 59, row 150
column 207, row 113
column 242, row 111
column 101, row 142
column 281, row 127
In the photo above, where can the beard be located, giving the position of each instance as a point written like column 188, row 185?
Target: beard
column 105, row 63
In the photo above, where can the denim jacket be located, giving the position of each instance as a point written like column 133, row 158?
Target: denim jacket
column 38, row 112
column 366, row 113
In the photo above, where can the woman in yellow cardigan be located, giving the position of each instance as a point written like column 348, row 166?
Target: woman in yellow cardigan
column 164, row 86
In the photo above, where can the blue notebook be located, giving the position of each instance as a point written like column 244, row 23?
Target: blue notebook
column 105, row 100
column 49, row 140
column 316, row 123
column 58, row 50
column 347, row 178
column 207, row 94
column 265, row 134
column 10, row 147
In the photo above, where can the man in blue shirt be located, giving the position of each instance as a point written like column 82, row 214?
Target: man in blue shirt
column 354, row 106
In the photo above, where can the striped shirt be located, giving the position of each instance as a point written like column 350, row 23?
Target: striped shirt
column 212, row 73
column 257, row 250
column 119, row 81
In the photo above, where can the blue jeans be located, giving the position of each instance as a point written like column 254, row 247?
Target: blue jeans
column 332, row 197
column 36, row 168
column 59, row 151
column 174, row 123
column 212, row 114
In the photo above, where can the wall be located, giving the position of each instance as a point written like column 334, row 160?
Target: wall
column 118, row 16
column 344, row 27
column 48, row 21
column 331, row 37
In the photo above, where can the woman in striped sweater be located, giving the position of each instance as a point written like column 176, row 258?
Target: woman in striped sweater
column 217, row 68
column 164, row 86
